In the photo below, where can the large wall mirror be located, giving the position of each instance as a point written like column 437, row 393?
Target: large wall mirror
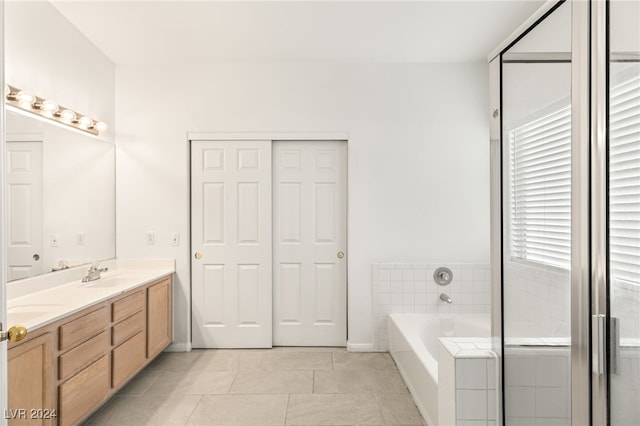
column 60, row 182
column 60, row 197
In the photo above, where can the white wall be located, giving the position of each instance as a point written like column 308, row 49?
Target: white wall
column 47, row 55
column 418, row 157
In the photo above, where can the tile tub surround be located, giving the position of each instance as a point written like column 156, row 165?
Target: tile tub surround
column 537, row 301
column 280, row 386
column 538, row 384
column 466, row 382
column 410, row 288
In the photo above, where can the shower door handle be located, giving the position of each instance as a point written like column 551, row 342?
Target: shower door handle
column 599, row 336
column 614, row 344
column 598, row 346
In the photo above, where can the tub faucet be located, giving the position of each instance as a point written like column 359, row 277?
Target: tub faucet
column 94, row 272
column 445, row 298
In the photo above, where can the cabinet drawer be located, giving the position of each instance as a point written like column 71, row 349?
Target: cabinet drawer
column 83, row 392
column 127, row 359
column 82, row 355
column 127, row 328
column 124, row 308
column 82, row 329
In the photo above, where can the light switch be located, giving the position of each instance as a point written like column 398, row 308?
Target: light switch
column 151, row 237
column 175, row 239
column 80, row 237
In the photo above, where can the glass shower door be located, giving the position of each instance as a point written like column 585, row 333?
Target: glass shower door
column 536, row 121
column 624, row 212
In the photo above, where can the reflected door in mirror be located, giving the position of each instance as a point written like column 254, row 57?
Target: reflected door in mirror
column 24, row 208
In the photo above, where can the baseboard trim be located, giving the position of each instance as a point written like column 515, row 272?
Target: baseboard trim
column 179, row 347
column 361, row 347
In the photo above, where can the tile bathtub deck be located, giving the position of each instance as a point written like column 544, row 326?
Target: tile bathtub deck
column 280, row 386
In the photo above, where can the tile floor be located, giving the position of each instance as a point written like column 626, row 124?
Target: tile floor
column 280, row 386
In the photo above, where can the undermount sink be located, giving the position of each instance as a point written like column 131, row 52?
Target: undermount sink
column 113, row 281
column 22, row 313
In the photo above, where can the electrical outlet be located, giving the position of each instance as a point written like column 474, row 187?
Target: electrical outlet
column 80, row 237
column 175, row 239
column 54, row 240
column 151, row 237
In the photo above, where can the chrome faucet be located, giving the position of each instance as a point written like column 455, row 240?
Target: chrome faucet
column 94, row 272
column 445, row 298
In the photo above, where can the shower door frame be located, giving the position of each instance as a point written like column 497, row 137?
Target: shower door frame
column 589, row 292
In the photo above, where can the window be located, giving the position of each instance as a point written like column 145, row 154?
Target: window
column 624, row 181
column 540, row 167
column 540, row 163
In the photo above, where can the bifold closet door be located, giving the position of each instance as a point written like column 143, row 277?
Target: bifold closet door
column 231, row 244
column 310, row 237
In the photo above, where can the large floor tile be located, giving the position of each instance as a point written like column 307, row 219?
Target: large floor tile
column 358, row 381
column 290, row 360
column 272, row 382
column 398, row 409
column 146, row 410
column 309, row 349
column 174, row 361
column 347, row 409
column 228, row 359
column 361, row 360
column 240, row 410
column 139, row 384
column 192, row 383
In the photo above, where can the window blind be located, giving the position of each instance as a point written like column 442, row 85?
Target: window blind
column 624, row 181
column 540, row 163
column 540, row 168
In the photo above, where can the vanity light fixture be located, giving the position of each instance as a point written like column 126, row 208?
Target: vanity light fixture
column 27, row 101
column 66, row 116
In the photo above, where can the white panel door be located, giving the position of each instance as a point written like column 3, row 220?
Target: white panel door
column 231, row 244
column 24, row 209
column 310, row 243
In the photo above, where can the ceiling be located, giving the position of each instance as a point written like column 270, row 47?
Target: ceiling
column 179, row 32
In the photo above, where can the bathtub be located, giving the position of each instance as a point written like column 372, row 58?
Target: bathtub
column 414, row 346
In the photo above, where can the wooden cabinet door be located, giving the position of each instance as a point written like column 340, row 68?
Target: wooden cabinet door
column 81, row 394
column 30, row 383
column 127, row 359
column 159, row 317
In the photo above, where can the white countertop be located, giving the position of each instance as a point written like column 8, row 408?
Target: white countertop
column 63, row 294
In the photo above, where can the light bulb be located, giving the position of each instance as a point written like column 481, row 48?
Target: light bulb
column 67, row 116
column 101, row 126
column 85, row 122
column 49, row 108
column 26, row 99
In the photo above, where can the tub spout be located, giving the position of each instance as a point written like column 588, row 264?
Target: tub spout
column 445, row 298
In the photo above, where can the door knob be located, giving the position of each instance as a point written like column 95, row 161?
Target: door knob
column 340, row 254
column 198, row 255
column 14, row 334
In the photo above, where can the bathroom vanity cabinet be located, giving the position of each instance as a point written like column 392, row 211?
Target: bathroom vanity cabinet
column 31, row 380
column 62, row 372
